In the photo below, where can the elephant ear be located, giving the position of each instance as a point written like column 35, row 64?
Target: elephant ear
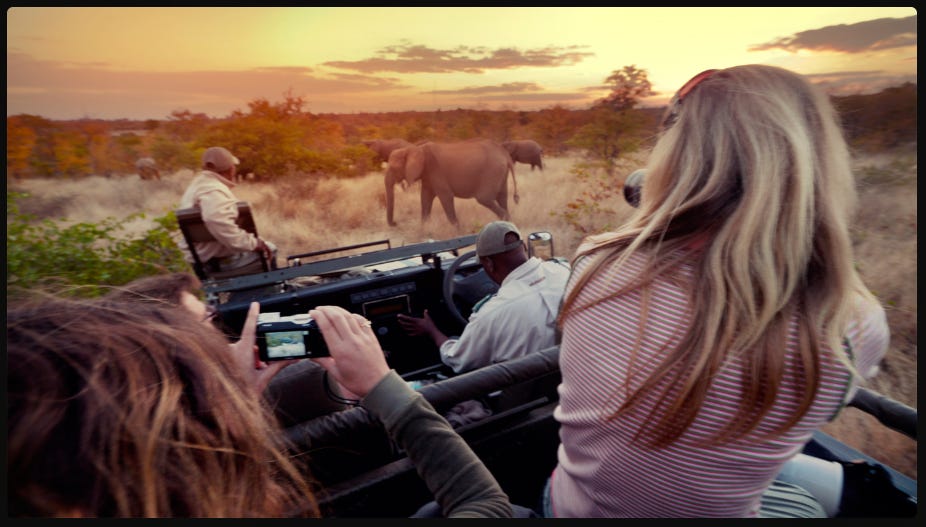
column 414, row 165
column 396, row 163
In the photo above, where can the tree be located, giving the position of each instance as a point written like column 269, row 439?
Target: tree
column 72, row 158
column 552, row 128
column 615, row 124
column 628, row 86
column 184, row 125
column 20, row 140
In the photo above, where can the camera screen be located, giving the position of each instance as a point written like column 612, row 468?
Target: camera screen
column 286, row 344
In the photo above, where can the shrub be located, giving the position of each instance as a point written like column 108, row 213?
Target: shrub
column 94, row 255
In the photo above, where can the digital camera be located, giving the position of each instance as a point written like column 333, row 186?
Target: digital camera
column 289, row 337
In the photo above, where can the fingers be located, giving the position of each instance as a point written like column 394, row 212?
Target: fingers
column 330, row 322
column 365, row 325
column 343, row 322
column 357, row 361
column 250, row 322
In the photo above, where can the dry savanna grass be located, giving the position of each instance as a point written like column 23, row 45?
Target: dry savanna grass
column 303, row 214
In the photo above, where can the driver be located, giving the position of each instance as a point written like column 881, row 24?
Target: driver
column 516, row 320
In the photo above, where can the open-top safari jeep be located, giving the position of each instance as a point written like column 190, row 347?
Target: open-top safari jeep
column 362, row 472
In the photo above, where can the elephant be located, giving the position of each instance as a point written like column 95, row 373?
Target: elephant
column 384, row 147
column 525, row 151
column 147, row 168
column 464, row 169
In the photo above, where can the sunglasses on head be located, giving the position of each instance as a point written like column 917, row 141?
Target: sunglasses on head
column 676, row 102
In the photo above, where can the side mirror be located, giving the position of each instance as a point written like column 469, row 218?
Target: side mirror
column 633, row 186
column 540, row 244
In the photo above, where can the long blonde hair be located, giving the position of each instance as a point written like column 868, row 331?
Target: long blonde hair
column 131, row 409
column 754, row 170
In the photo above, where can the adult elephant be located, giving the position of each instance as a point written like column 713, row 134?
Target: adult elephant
column 525, row 151
column 384, row 147
column 147, row 168
column 465, row 169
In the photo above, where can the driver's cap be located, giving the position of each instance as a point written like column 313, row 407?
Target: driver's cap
column 491, row 239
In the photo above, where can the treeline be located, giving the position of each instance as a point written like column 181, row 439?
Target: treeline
column 881, row 121
column 276, row 138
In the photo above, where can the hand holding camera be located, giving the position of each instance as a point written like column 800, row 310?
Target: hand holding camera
column 258, row 372
column 289, row 337
column 357, row 361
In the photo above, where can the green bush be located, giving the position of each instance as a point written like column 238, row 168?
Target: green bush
column 590, row 212
column 93, row 255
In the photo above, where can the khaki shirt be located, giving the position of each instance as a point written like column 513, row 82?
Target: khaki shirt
column 212, row 194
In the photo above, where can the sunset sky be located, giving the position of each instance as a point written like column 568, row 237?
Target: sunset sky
column 145, row 62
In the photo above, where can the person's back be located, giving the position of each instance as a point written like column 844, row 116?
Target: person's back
column 620, row 476
column 705, row 340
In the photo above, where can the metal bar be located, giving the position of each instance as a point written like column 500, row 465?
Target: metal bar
column 892, row 414
column 339, row 249
column 426, row 249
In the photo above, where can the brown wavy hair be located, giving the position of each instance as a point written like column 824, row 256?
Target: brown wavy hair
column 131, row 409
column 161, row 287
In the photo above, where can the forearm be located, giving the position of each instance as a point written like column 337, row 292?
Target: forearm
column 460, row 483
column 437, row 336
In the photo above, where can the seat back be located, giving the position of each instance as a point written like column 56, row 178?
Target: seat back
column 194, row 231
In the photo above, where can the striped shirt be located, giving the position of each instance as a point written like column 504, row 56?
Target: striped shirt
column 602, row 472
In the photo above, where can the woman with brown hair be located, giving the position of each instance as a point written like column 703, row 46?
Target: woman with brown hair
column 298, row 393
column 133, row 409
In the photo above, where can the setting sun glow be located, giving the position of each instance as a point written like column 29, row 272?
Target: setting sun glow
column 101, row 62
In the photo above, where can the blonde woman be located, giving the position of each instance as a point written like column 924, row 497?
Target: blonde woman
column 705, row 340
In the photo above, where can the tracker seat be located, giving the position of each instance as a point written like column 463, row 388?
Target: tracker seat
column 194, row 231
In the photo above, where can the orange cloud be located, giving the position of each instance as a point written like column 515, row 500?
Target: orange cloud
column 871, row 35
column 416, row 58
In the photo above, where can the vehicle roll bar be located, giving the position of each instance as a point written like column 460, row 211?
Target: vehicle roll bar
column 331, row 429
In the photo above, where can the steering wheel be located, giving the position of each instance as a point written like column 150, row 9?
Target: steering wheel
column 477, row 285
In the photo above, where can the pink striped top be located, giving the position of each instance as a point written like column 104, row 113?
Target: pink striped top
column 601, row 472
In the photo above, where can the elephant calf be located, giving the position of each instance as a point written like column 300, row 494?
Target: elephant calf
column 525, row 151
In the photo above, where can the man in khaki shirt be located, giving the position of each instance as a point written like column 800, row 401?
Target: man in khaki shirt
column 211, row 191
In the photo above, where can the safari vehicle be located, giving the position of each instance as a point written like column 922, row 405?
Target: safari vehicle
column 365, row 475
